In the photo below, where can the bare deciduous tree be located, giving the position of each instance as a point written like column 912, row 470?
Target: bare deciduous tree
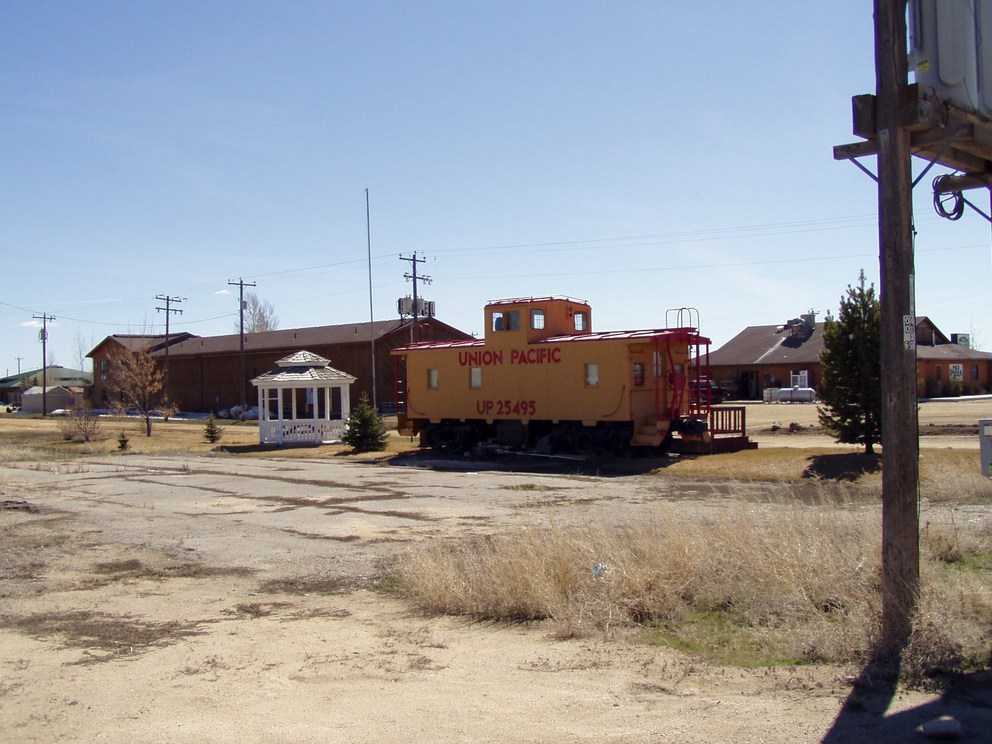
column 259, row 315
column 79, row 348
column 134, row 380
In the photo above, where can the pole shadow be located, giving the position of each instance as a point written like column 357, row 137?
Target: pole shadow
column 862, row 717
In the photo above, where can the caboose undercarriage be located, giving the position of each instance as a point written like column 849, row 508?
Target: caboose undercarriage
column 560, row 437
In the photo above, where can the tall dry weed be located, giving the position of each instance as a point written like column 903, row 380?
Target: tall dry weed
column 775, row 580
column 954, row 477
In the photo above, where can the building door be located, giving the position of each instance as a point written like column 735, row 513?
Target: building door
column 749, row 386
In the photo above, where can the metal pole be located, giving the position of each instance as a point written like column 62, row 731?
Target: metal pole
column 368, row 238
column 900, row 435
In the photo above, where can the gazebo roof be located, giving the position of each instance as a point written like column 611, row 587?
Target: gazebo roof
column 302, row 367
column 303, row 359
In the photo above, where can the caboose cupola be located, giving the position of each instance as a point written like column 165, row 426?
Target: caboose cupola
column 533, row 319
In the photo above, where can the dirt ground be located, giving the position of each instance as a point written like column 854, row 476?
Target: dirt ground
column 201, row 597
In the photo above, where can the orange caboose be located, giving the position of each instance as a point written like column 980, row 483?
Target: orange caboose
column 542, row 377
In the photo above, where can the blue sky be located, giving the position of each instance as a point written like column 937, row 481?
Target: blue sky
column 638, row 155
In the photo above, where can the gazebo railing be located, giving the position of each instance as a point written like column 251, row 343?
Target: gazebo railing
column 312, row 431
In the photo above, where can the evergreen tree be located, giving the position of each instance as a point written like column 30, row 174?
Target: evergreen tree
column 365, row 431
column 851, row 390
column 212, row 432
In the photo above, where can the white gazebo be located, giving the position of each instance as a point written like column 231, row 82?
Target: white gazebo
column 303, row 400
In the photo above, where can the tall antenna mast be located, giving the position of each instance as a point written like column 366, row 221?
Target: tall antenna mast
column 368, row 237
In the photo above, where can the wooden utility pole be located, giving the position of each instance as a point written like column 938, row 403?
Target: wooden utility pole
column 43, row 337
column 168, row 309
column 900, row 435
column 241, row 284
column 415, row 278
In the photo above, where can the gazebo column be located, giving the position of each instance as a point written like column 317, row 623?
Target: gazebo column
column 345, row 402
column 261, row 412
column 316, row 402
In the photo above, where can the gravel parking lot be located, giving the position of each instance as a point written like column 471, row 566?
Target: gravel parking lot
column 192, row 598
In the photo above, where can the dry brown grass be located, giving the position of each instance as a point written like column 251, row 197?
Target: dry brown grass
column 750, row 583
column 25, row 438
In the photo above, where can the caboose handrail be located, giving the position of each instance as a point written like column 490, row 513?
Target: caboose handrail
column 685, row 317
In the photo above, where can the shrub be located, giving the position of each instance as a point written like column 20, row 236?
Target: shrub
column 365, row 431
column 212, row 432
column 78, row 427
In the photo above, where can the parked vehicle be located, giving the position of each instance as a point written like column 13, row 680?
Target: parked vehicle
column 703, row 387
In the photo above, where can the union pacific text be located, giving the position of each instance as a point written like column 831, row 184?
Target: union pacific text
column 495, row 357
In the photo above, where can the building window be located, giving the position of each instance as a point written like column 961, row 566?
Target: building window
column 475, row 378
column 592, row 374
column 581, row 322
column 537, row 319
column 104, row 365
column 974, row 372
column 432, row 379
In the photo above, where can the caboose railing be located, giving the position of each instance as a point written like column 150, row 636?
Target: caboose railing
column 728, row 420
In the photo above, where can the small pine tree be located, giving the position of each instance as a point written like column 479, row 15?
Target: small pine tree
column 365, row 431
column 851, row 389
column 212, row 432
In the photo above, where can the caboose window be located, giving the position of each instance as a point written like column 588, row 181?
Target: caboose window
column 508, row 321
column 537, row 319
column 580, row 321
column 432, row 379
column 592, row 374
column 475, row 377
